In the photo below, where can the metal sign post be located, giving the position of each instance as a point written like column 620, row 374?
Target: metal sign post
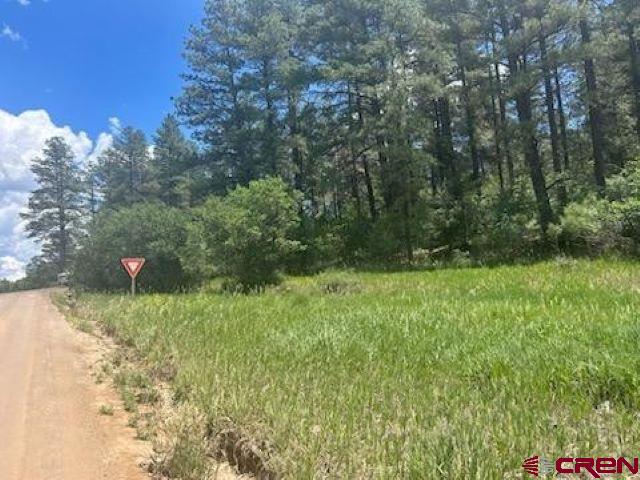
column 133, row 267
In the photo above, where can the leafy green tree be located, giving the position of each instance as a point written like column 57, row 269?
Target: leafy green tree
column 248, row 235
column 56, row 206
column 150, row 230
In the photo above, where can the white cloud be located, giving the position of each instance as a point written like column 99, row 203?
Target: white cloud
column 22, row 138
column 11, row 268
column 104, row 142
column 10, row 33
column 26, row 3
column 115, row 125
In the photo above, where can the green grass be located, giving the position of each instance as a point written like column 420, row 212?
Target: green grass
column 444, row 374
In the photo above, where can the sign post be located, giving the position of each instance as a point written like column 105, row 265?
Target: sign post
column 133, row 267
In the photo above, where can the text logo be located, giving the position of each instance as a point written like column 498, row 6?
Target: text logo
column 589, row 467
column 537, row 466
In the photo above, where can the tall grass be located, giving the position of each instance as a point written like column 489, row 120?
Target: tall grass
column 446, row 374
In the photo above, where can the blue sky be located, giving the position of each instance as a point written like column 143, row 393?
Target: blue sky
column 85, row 61
column 76, row 68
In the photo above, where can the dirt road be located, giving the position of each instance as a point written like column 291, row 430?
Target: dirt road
column 50, row 427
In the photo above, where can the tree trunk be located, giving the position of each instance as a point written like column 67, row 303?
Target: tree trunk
column 437, row 170
column 448, row 154
column 408, row 244
column 355, row 187
column 296, row 155
column 92, row 198
column 530, row 141
column 63, row 246
column 433, row 180
column 511, row 175
column 562, row 120
column 381, row 144
column 596, row 121
column 496, row 133
column 371, row 197
column 551, row 118
column 244, row 167
column 503, row 134
column 634, row 53
column 62, row 218
column 469, row 118
column 269, row 147
column 131, row 178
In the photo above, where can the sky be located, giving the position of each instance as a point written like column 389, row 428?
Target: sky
column 79, row 69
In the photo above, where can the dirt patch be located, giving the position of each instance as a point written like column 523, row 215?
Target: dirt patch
column 246, row 455
column 180, row 444
column 49, row 404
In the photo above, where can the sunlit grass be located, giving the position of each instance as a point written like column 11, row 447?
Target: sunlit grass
column 445, row 374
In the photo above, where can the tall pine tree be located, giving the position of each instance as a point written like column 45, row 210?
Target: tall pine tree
column 57, row 205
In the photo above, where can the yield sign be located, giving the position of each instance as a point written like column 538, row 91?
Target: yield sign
column 132, row 265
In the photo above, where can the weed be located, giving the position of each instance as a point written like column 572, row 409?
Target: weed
column 106, row 410
column 129, row 400
column 182, row 452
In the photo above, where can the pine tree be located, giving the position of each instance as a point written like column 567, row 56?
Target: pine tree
column 217, row 100
column 125, row 172
column 56, row 206
column 172, row 159
column 593, row 100
column 377, row 110
column 521, row 85
column 547, row 25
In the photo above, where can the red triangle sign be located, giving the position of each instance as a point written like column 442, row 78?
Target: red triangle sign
column 132, row 265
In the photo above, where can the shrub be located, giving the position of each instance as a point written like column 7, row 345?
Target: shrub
column 149, row 230
column 595, row 226
column 248, row 234
column 627, row 214
column 626, row 184
column 589, row 227
column 322, row 246
column 506, row 229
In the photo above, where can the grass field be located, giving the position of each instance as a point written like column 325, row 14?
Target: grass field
column 443, row 374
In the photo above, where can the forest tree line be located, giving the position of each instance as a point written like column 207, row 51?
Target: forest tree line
column 367, row 132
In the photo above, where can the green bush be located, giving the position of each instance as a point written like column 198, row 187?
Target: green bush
column 627, row 214
column 149, row 230
column 589, row 227
column 595, row 226
column 322, row 246
column 626, row 184
column 505, row 228
column 247, row 235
